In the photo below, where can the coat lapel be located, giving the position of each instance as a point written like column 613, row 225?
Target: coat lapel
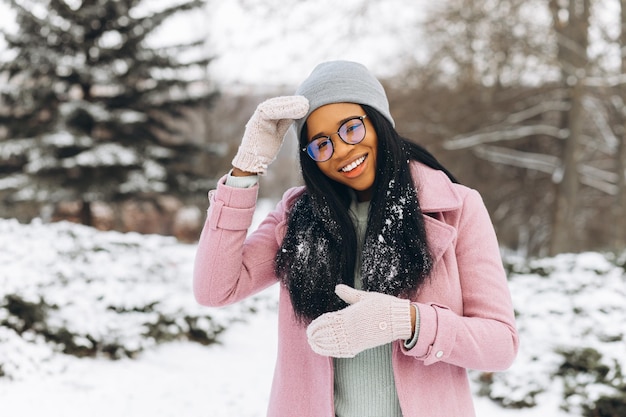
column 437, row 195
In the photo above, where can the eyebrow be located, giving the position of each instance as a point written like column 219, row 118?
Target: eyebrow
column 342, row 121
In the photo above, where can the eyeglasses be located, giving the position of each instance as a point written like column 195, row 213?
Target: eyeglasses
column 352, row 131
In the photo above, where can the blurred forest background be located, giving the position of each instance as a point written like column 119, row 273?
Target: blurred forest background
column 524, row 100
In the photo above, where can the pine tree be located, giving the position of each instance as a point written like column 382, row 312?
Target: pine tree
column 89, row 111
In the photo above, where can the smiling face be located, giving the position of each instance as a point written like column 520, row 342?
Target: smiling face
column 351, row 165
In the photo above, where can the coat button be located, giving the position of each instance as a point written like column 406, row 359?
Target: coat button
column 382, row 325
column 439, row 354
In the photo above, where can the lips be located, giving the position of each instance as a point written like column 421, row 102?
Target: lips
column 353, row 164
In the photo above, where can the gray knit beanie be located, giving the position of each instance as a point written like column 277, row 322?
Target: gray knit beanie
column 342, row 82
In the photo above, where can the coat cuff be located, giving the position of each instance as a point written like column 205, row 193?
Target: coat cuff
column 433, row 345
column 231, row 208
column 410, row 343
column 241, row 182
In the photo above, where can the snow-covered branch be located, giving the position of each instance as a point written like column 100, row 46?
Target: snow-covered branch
column 506, row 133
column 604, row 181
column 606, row 81
column 512, row 157
column 599, row 179
column 543, row 107
column 599, row 117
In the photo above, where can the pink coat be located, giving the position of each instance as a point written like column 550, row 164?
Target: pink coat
column 466, row 313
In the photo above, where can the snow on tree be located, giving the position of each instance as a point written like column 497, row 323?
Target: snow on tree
column 91, row 110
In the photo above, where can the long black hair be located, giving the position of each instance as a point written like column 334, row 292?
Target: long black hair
column 319, row 250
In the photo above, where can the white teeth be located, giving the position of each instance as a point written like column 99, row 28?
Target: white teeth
column 353, row 165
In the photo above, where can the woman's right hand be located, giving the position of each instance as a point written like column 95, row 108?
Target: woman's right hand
column 265, row 131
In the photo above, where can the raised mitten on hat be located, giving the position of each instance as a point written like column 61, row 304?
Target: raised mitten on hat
column 266, row 130
column 342, row 82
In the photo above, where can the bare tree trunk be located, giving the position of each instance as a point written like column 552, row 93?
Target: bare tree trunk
column 571, row 26
column 619, row 208
column 563, row 232
column 619, row 212
column 86, row 215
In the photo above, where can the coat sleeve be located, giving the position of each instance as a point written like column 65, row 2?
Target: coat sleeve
column 231, row 265
column 484, row 336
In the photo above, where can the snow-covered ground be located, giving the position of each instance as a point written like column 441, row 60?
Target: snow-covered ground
column 180, row 379
column 130, row 295
column 231, row 379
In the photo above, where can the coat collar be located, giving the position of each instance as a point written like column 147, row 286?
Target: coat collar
column 435, row 191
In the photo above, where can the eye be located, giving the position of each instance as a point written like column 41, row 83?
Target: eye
column 322, row 143
column 352, row 125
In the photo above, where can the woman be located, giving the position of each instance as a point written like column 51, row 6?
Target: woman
column 391, row 282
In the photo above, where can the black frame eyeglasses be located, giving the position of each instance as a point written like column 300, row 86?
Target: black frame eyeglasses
column 352, row 132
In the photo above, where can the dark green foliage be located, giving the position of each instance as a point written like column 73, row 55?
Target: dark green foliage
column 26, row 315
column 34, row 317
column 607, row 407
column 584, row 367
column 582, row 360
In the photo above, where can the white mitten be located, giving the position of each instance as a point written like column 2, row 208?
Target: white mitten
column 265, row 131
column 372, row 319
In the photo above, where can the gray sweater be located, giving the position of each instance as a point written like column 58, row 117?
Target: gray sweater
column 364, row 385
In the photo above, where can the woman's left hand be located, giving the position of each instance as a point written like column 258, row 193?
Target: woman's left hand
column 371, row 320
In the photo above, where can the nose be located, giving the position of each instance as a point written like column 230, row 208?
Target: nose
column 341, row 148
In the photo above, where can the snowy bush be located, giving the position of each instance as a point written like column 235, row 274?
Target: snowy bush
column 67, row 289
column 571, row 315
